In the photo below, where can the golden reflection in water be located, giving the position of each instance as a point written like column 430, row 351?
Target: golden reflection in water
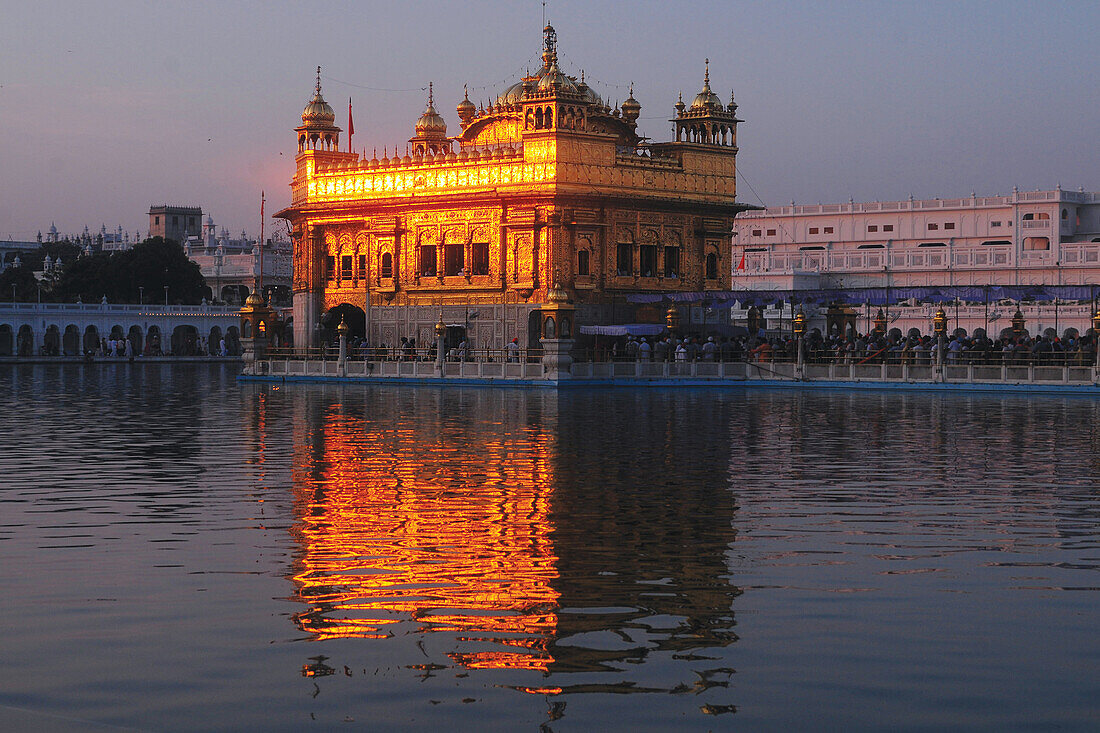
column 442, row 524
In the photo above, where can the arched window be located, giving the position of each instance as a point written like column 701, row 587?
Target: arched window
column 387, row 264
column 583, row 267
column 548, row 330
column 712, row 266
column 1065, row 214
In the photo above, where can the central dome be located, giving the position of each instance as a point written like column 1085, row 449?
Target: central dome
column 549, row 78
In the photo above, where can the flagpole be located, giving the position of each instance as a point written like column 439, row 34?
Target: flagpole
column 261, row 245
column 351, row 125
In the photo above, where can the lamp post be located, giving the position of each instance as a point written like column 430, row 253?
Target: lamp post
column 440, row 335
column 939, row 327
column 798, row 325
column 1018, row 322
column 672, row 319
column 1096, row 335
column 880, row 322
column 165, row 296
column 342, row 357
column 141, row 295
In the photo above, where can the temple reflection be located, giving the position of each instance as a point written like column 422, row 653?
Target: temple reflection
column 444, row 523
column 506, row 524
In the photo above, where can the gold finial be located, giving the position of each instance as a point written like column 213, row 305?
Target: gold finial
column 318, row 79
column 550, row 46
column 431, row 95
column 343, row 328
column 465, row 93
column 706, row 74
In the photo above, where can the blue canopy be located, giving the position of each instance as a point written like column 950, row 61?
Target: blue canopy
column 877, row 296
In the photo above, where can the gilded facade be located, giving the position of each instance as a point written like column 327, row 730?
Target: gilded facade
column 548, row 185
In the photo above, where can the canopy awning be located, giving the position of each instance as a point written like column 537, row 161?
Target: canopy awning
column 624, row 329
column 876, row 296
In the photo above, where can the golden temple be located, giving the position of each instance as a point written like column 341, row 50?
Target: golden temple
column 548, row 185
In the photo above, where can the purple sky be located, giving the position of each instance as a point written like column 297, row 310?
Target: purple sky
column 107, row 108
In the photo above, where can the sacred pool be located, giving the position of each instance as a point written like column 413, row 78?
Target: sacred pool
column 183, row 551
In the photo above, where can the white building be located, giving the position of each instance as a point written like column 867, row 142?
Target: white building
column 1040, row 238
column 232, row 266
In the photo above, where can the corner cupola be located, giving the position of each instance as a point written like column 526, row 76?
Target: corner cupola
column 318, row 130
column 707, row 121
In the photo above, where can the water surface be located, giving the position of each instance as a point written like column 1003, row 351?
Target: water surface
column 181, row 551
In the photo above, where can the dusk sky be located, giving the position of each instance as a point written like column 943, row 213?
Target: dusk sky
column 109, row 107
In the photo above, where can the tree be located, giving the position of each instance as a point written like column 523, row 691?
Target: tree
column 66, row 250
column 24, row 282
column 121, row 276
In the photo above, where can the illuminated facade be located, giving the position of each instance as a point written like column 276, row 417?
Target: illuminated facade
column 546, row 186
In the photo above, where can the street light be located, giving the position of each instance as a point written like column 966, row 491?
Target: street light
column 1096, row 335
column 141, row 294
column 880, row 321
column 1018, row 322
column 165, row 296
column 798, row 325
column 939, row 327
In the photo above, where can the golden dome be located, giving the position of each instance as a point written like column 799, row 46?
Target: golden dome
column 631, row 108
column 514, row 93
column 706, row 99
column 465, row 108
column 254, row 301
column 431, row 124
column 553, row 80
column 557, row 294
column 318, row 110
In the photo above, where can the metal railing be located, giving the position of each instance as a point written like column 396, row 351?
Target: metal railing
column 416, row 354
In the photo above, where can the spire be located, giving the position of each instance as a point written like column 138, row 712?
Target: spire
column 706, row 76
column 318, row 89
column 431, row 95
column 550, row 46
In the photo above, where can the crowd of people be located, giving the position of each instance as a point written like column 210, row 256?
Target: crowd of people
column 1071, row 348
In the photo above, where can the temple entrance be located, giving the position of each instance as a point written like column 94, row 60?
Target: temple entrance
column 185, row 341
column 70, row 341
column 51, row 342
column 91, row 339
column 152, row 344
column 135, row 339
column 534, row 330
column 232, row 341
column 352, row 315
column 24, row 341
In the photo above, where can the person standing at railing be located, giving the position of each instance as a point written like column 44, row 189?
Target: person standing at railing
column 513, row 351
column 644, row 349
column 660, row 350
